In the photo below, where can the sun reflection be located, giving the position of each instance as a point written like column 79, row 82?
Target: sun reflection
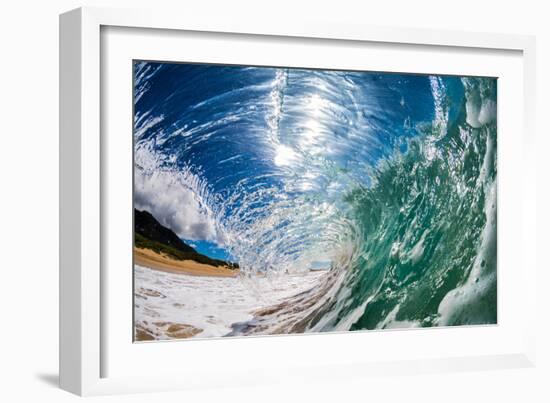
column 316, row 104
column 313, row 126
column 284, row 155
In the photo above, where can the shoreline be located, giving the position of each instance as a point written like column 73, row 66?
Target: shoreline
column 156, row 261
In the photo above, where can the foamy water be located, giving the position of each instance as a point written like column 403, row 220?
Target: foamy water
column 212, row 304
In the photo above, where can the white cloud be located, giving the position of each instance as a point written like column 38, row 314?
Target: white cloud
column 178, row 199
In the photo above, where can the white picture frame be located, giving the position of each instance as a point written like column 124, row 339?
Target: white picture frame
column 83, row 184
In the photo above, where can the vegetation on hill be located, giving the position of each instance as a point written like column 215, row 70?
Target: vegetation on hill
column 148, row 226
column 165, row 241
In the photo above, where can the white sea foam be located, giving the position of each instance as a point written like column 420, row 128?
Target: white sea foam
column 390, row 322
column 480, row 110
column 440, row 107
column 455, row 305
column 212, row 304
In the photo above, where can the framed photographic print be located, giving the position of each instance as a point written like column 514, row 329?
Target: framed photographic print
column 274, row 200
column 255, row 193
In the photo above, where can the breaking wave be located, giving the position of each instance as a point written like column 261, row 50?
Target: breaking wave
column 385, row 182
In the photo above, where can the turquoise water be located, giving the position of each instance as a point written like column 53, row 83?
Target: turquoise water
column 429, row 227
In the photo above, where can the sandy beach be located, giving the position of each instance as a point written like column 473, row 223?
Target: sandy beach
column 157, row 261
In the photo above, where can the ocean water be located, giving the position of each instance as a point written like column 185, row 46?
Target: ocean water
column 386, row 183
